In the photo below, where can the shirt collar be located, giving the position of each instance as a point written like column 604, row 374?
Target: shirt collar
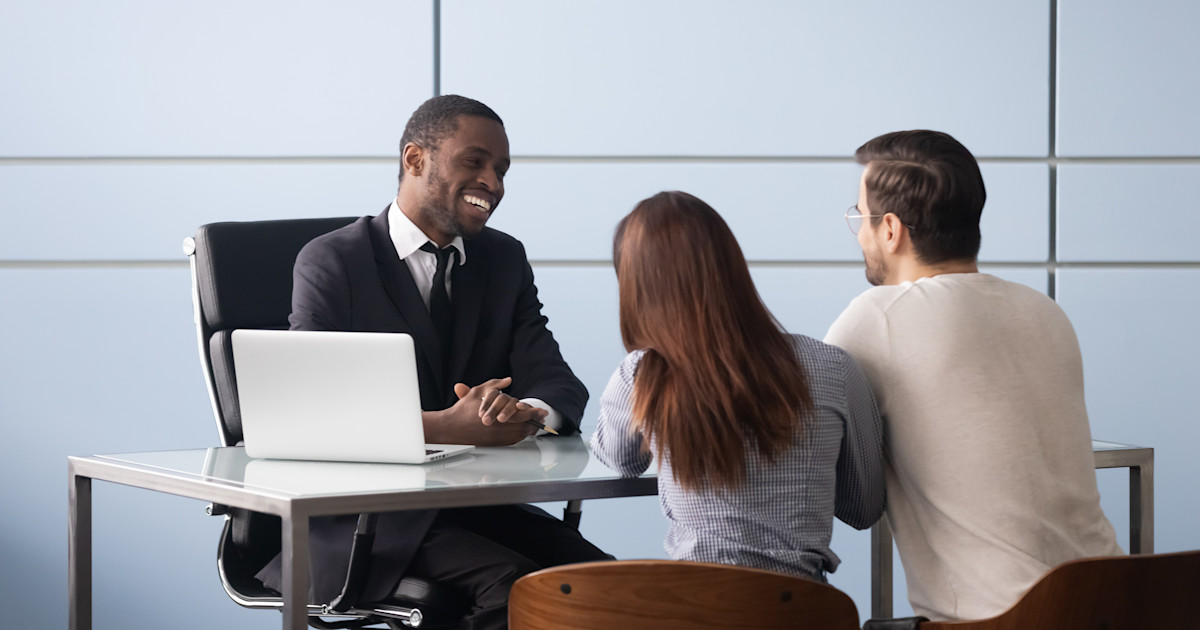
column 408, row 238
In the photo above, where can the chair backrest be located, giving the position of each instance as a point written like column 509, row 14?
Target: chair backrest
column 242, row 278
column 665, row 594
column 1150, row 591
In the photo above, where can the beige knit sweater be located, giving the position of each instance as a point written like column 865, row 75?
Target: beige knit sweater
column 990, row 472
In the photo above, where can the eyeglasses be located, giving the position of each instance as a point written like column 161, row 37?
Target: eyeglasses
column 854, row 218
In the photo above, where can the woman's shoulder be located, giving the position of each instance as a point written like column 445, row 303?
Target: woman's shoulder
column 830, row 369
column 813, row 351
column 628, row 367
column 633, row 358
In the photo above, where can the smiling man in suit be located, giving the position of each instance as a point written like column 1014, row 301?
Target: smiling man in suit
column 428, row 266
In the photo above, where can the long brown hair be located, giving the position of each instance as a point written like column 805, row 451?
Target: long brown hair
column 718, row 372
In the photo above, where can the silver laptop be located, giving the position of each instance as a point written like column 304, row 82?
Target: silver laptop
column 332, row 396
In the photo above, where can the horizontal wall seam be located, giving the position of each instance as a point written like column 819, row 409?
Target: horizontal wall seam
column 93, row 264
column 851, row 264
column 571, row 159
column 784, row 264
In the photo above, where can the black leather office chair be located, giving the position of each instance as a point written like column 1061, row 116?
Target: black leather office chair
column 242, row 278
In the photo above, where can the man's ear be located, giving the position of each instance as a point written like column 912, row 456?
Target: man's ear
column 412, row 159
column 893, row 231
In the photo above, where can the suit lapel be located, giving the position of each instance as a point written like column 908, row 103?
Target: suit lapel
column 399, row 285
column 467, row 287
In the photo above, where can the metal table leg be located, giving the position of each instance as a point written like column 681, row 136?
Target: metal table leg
column 1141, row 506
column 79, row 550
column 295, row 571
column 881, row 569
column 1140, row 462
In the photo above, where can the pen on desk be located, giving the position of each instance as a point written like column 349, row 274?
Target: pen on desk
column 541, row 426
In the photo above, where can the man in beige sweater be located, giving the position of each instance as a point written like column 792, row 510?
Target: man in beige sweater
column 990, row 474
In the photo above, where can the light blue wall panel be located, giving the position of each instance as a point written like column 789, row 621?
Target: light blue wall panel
column 569, row 210
column 1127, row 81
column 144, row 211
column 154, row 562
column 1016, row 218
column 806, row 301
column 778, row 211
column 138, row 77
column 628, row 528
column 625, row 77
column 581, row 303
column 103, row 361
column 1141, row 353
column 1128, row 212
column 1114, row 501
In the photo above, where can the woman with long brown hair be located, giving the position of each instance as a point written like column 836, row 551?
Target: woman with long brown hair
column 761, row 437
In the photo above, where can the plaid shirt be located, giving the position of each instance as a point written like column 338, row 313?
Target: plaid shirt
column 782, row 518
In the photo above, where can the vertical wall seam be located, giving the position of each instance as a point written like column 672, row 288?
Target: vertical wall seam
column 1052, row 165
column 437, row 47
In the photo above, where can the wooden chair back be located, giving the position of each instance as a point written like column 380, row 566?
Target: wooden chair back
column 667, row 595
column 1158, row 592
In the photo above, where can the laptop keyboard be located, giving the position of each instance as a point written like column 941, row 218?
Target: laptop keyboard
column 431, row 451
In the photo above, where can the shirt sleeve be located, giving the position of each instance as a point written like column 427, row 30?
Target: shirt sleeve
column 861, row 486
column 616, row 443
column 554, row 419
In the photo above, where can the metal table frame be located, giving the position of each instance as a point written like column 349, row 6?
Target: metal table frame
column 1138, row 459
column 295, row 512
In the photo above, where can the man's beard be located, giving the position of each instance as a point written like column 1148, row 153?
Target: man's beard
column 876, row 270
column 436, row 208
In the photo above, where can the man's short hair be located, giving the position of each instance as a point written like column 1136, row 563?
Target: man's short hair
column 438, row 117
column 932, row 182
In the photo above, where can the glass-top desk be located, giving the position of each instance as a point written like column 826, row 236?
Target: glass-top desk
column 1138, row 459
column 535, row 470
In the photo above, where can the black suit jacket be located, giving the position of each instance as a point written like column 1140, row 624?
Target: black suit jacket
column 353, row 280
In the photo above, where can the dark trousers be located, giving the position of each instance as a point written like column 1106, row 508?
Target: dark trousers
column 482, row 551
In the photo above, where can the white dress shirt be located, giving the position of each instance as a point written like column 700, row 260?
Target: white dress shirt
column 408, row 239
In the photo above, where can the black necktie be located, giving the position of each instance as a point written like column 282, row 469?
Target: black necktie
column 439, row 300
